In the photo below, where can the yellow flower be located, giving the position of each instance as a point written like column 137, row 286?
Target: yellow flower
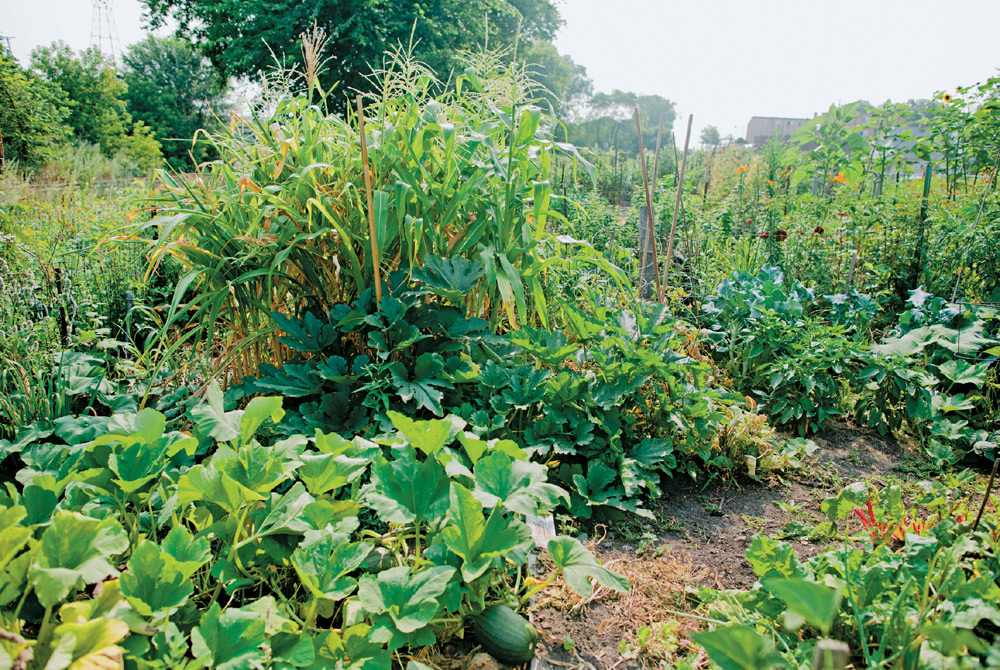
column 947, row 97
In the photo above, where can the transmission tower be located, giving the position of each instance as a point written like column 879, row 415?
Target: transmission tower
column 103, row 31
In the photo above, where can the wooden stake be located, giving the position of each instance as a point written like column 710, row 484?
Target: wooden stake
column 650, row 233
column 677, row 207
column 371, row 206
column 656, row 163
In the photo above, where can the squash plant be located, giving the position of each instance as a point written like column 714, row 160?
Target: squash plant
column 210, row 549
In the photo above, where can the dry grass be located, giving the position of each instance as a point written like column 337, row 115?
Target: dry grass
column 657, row 600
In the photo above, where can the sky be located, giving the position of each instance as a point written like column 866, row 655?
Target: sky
column 721, row 60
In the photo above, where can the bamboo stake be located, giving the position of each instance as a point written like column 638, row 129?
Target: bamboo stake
column 371, row 206
column 650, row 234
column 677, row 207
column 656, row 163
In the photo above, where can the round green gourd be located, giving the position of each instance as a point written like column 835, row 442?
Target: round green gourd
column 506, row 635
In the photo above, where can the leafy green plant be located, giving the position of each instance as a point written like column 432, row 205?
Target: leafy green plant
column 800, row 366
column 895, row 605
column 237, row 553
column 931, row 372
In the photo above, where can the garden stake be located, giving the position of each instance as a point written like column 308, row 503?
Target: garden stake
column 650, row 235
column 982, row 204
column 371, row 207
column 850, row 273
column 986, row 496
column 656, row 163
column 677, row 207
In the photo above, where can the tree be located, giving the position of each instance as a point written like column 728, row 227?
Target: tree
column 32, row 116
column 175, row 91
column 710, row 136
column 564, row 83
column 610, row 122
column 92, row 90
column 243, row 37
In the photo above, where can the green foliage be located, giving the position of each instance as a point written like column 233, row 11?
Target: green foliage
column 897, row 603
column 403, row 539
column 931, row 372
column 243, row 38
column 281, row 224
column 93, row 91
column 798, row 364
column 32, row 116
column 175, row 93
column 634, row 410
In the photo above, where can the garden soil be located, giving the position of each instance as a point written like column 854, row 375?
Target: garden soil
column 699, row 538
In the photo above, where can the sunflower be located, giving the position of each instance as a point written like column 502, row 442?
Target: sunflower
column 946, row 97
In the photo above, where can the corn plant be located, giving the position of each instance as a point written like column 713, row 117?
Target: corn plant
column 280, row 222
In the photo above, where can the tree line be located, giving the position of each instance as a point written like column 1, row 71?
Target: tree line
column 149, row 105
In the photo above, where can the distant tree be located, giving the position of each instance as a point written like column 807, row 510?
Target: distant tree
column 610, row 122
column 32, row 116
column 564, row 83
column 175, row 91
column 93, row 92
column 242, row 37
column 710, row 136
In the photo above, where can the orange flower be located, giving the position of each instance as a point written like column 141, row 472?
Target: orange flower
column 839, row 178
column 743, row 168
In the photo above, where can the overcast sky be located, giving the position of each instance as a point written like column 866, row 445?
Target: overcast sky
column 722, row 60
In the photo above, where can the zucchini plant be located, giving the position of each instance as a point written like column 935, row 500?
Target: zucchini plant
column 208, row 548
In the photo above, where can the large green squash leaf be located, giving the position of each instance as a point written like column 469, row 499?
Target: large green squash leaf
column 152, row 584
column 519, row 486
column 475, row 540
column 75, row 550
column 406, row 490
column 402, row 604
column 233, row 639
